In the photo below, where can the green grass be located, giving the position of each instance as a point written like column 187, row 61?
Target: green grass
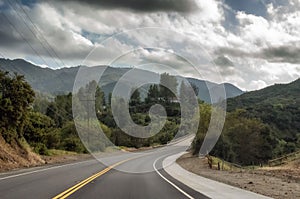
column 54, row 152
column 223, row 164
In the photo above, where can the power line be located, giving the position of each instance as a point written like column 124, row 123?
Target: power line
column 62, row 113
column 36, row 53
column 66, row 113
column 45, row 40
column 12, row 6
column 14, row 27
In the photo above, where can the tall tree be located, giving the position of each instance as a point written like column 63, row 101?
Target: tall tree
column 167, row 84
column 135, row 98
column 16, row 98
column 153, row 94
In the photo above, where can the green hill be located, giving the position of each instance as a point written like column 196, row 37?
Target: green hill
column 277, row 105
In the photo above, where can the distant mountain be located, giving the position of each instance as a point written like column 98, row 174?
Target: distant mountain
column 277, row 105
column 206, row 88
column 59, row 81
column 44, row 80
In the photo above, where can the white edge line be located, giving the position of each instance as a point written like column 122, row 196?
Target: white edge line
column 41, row 170
column 168, row 181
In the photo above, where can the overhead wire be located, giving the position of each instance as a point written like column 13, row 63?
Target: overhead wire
column 27, row 26
column 37, row 30
column 36, row 53
column 14, row 27
column 32, row 48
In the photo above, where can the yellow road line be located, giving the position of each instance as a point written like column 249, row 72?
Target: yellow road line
column 76, row 187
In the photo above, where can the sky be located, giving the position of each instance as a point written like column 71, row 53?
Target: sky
column 251, row 44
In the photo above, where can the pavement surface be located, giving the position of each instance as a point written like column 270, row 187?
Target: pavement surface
column 119, row 175
column 116, row 175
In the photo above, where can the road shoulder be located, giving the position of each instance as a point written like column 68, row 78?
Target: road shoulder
column 208, row 187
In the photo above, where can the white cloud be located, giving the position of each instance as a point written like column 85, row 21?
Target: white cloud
column 256, row 43
column 257, row 84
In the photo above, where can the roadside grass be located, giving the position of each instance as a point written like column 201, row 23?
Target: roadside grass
column 56, row 152
column 286, row 159
column 226, row 166
column 24, row 144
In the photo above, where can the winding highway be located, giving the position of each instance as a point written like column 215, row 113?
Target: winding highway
column 120, row 175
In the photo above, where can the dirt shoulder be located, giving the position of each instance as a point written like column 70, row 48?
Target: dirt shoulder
column 66, row 158
column 276, row 182
column 16, row 162
column 45, row 160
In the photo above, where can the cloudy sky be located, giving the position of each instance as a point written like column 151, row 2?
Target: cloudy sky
column 251, row 43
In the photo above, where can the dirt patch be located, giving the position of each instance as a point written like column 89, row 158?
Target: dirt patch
column 15, row 155
column 18, row 155
column 280, row 182
column 65, row 158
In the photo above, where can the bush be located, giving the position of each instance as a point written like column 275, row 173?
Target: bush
column 41, row 149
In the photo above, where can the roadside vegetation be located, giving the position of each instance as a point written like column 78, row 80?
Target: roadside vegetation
column 255, row 131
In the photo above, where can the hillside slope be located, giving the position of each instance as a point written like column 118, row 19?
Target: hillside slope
column 277, row 105
column 15, row 155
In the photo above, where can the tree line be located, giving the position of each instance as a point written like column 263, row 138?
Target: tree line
column 47, row 123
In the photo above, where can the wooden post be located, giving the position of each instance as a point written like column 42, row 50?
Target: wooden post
column 209, row 160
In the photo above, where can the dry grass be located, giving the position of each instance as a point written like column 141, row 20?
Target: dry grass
column 283, row 182
column 17, row 155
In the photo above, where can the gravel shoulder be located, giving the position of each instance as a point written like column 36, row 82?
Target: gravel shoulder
column 276, row 182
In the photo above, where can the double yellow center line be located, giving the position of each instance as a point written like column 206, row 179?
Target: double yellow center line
column 76, row 187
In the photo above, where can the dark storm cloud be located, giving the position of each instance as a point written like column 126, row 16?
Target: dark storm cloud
column 232, row 52
column 10, row 31
column 282, row 54
column 184, row 6
column 225, row 65
column 289, row 53
column 223, row 61
column 16, row 37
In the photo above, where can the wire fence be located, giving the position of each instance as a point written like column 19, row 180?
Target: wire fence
column 284, row 159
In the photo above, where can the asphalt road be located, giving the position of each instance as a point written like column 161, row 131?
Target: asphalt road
column 123, row 175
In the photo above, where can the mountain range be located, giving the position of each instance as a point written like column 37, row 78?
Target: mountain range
column 59, row 81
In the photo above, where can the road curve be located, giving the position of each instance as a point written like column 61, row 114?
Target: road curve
column 125, row 175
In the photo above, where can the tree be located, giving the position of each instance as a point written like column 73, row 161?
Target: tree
column 41, row 102
column 195, row 88
column 168, row 84
column 53, row 113
column 70, row 139
column 205, row 114
column 16, row 98
column 246, row 141
column 61, row 109
column 135, row 98
column 153, row 94
column 40, row 133
column 99, row 99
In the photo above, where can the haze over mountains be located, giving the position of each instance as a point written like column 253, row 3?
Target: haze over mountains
column 60, row 81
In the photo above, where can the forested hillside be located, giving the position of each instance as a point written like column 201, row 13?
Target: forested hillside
column 278, row 106
column 23, row 121
column 260, row 125
column 60, row 81
column 48, row 124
